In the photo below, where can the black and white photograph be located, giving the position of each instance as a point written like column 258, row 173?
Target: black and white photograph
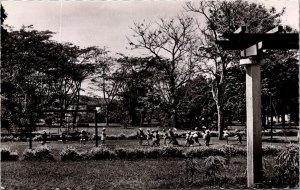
column 149, row 94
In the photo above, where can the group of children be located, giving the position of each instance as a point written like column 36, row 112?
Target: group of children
column 84, row 136
column 238, row 136
column 191, row 137
column 153, row 138
column 169, row 137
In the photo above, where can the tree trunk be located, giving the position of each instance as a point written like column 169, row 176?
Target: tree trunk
column 220, row 121
column 107, row 115
column 217, row 96
column 76, row 108
column 174, row 118
column 283, row 119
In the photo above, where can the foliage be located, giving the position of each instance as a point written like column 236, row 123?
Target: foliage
column 108, row 79
column 101, row 153
column 213, row 166
column 71, row 153
column 203, row 152
column 172, row 43
column 287, row 168
column 9, row 138
column 8, row 155
column 40, row 153
column 223, row 17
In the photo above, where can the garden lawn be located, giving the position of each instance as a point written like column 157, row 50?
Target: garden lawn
column 116, row 174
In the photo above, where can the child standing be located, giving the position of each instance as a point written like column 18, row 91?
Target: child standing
column 226, row 135
column 189, row 139
column 238, row 136
column 103, row 136
column 207, row 137
column 141, row 136
column 149, row 136
column 165, row 137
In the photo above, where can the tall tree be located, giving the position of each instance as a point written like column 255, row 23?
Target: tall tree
column 26, row 82
column 107, row 80
column 221, row 17
column 171, row 42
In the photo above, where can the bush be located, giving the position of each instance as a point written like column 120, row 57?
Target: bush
column 100, row 153
column 70, row 153
column 129, row 153
column 271, row 150
column 10, row 138
column 204, row 152
column 40, row 153
column 230, row 150
column 172, row 152
column 8, row 155
column 213, row 166
column 287, row 168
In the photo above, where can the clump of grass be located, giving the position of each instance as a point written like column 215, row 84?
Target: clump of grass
column 213, row 166
column 40, row 153
column 287, row 168
column 8, row 155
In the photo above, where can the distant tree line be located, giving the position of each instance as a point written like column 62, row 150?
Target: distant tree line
column 186, row 81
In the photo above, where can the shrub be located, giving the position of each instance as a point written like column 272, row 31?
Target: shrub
column 70, row 153
column 101, row 153
column 171, row 152
column 7, row 138
column 8, row 155
column 213, row 166
column 271, row 150
column 204, row 152
column 40, row 153
column 128, row 153
column 152, row 153
column 287, row 168
column 230, row 150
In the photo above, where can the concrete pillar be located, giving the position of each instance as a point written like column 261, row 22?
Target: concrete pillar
column 253, row 104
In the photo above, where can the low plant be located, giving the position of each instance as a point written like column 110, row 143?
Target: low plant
column 100, row 153
column 204, row 152
column 271, row 150
column 213, row 166
column 9, row 138
column 40, row 153
column 230, row 150
column 287, row 168
column 71, row 153
column 8, row 155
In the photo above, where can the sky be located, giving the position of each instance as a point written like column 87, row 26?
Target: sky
column 106, row 23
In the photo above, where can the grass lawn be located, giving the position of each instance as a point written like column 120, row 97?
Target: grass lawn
column 121, row 174
column 117, row 174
